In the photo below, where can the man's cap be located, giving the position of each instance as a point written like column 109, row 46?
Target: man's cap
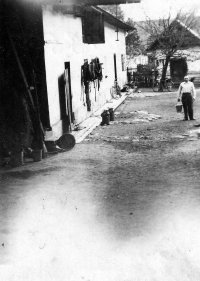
column 186, row 77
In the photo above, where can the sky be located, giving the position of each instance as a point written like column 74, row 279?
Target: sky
column 158, row 8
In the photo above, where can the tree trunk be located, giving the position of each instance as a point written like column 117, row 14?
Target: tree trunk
column 164, row 72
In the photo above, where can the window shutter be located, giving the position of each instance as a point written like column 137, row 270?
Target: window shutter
column 123, row 62
column 93, row 26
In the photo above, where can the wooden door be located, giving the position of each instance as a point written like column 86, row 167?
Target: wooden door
column 68, row 95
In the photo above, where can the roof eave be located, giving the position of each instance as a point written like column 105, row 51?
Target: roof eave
column 85, row 2
column 114, row 21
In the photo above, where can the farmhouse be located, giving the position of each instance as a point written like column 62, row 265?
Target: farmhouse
column 91, row 39
column 63, row 56
column 184, row 61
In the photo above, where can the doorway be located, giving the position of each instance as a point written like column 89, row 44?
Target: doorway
column 115, row 66
column 68, row 95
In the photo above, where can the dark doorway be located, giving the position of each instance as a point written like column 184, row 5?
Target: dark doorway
column 23, row 23
column 66, row 112
column 68, row 93
column 178, row 69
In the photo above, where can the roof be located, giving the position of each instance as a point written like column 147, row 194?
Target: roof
column 189, row 29
column 192, row 32
column 114, row 21
column 78, row 9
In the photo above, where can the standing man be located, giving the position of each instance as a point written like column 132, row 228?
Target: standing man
column 187, row 94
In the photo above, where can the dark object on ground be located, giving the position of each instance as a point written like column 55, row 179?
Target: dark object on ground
column 28, row 152
column 66, row 141
column 37, row 155
column 52, row 147
column 56, row 149
column 78, row 128
column 197, row 125
column 125, row 89
column 112, row 115
column 17, row 159
column 105, row 117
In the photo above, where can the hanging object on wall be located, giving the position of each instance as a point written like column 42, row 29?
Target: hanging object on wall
column 98, row 69
column 91, row 72
column 85, row 79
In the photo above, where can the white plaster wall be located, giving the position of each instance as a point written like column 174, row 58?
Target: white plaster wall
column 63, row 43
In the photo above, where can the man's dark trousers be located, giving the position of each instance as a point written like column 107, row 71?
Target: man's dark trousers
column 187, row 101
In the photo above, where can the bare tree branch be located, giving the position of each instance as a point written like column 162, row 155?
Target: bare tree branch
column 170, row 37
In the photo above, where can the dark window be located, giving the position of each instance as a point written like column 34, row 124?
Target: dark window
column 93, row 26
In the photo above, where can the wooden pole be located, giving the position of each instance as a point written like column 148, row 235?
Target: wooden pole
column 39, row 125
column 21, row 69
column 115, row 66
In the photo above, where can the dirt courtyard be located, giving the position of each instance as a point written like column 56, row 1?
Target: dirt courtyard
column 124, row 205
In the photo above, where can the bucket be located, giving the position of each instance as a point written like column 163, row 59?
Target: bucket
column 37, row 155
column 17, row 159
column 103, row 115
column 112, row 116
column 107, row 117
column 179, row 107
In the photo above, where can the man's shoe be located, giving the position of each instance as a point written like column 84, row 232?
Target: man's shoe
column 185, row 120
column 193, row 119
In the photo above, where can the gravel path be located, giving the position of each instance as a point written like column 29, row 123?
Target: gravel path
column 124, row 205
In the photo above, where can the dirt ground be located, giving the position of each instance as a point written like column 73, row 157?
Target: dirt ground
column 124, row 205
